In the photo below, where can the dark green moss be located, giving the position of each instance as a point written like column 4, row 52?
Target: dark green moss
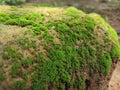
column 26, row 43
column 15, row 69
column 19, row 85
column 80, row 83
column 27, row 62
column 2, row 77
column 10, row 52
column 23, row 75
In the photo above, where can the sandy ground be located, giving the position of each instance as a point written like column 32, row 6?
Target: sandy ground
column 115, row 80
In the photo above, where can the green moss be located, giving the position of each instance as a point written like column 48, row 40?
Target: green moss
column 23, row 75
column 10, row 52
column 15, row 69
column 113, row 35
column 37, row 29
column 105, row 62
column 27, row 62
column 43, row 5
column 2, row 77
column 19, row 85
column 36, row 83
column 115, row 52
column 1, row 64
column 73, row 12
column 85, row 41
column 26, row 43
column 3, row 17
column 14, row 8
column 21, row 20
column 80, row 83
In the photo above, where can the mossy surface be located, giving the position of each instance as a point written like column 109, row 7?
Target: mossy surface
column 59, row 49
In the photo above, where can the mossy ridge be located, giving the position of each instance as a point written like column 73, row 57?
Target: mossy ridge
column 110, row 33
column 21, row 20
column 77, row 49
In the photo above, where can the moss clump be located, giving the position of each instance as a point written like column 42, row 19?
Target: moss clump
column 19, row 85
column 1, row 76
column 105, row 63
column 11, row 53
column 21, row 20
column 28, row 61
column 26, row 43
column 55, row 53
column 15, row 69
column 73, row 12
column 115, row 52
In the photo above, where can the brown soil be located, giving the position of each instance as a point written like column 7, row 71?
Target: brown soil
column 115, row 80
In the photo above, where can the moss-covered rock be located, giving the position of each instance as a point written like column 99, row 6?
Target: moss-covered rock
column 60, row 49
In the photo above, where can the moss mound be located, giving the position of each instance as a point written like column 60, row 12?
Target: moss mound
column 58, row 50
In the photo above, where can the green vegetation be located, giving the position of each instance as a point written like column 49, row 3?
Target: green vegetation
column 13, row 8
column 53, row 52
column 26, row 43
column 115, row 52
column 28, row 61
column 11, row 53
column 21, row 20
column 12, row 1
column 1, row 76
column 43, row 5
column 19, row 85
column 15, row 69
column 80, row 84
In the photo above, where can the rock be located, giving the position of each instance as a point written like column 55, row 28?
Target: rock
column 79, row 53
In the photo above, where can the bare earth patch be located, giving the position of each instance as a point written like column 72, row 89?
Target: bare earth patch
column 115, row 80
column 7, row 33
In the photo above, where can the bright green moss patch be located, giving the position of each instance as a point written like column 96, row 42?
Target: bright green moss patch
column 115, row 52
column 21, row 20
column 73, row 12
column 57, row 53
column 105, row 63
